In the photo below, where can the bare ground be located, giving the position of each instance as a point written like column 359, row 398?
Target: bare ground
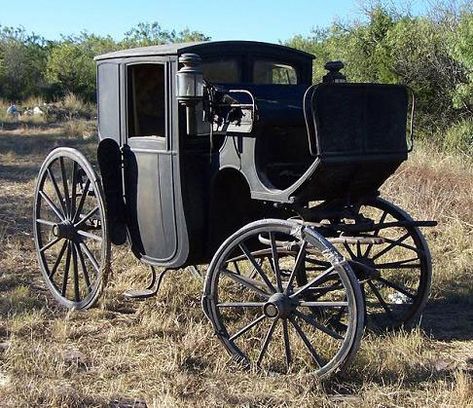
column 162, row 351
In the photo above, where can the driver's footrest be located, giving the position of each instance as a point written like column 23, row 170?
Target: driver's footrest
column 139, row 293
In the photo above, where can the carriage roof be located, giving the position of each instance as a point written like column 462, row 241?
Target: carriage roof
column 209, row 47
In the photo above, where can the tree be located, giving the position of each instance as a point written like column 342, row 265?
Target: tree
column 23, row 59
column 145, row 34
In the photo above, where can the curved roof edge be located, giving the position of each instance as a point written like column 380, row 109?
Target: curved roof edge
column 179, row 48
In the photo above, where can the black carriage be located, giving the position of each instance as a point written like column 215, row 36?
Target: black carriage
column 224, row 153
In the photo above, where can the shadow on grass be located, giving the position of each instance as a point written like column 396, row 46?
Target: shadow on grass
column 31, row 144
column 450, row 318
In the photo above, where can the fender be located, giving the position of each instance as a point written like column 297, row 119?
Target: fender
column 110, row 161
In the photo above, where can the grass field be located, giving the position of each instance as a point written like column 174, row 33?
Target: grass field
column 162, row 351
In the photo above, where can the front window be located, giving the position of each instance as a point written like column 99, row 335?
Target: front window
column 271, row 72
column 223, row 71
column 146, row 100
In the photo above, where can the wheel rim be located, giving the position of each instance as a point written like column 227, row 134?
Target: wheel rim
column 70, row 229
column 395, row 276
column 263, row 314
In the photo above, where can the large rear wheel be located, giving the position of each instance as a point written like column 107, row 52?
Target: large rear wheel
column 395, row 276
column 70, row 229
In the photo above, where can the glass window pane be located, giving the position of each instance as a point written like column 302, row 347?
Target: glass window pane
column 224, row 71
column 271, row 72
column 146, row 100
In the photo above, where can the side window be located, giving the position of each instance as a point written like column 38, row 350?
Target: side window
column 146, row 106
column 224, row 71
column 271, row 72
column 108, row 101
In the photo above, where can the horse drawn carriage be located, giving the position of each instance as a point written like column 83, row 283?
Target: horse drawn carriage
column 225, row 154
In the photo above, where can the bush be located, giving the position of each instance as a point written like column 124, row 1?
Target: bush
column 459, row 137
column 78, row 128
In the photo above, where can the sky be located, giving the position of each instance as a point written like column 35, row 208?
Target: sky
column 259, row 20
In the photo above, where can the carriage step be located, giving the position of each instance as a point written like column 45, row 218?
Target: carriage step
column 139, row 294
column 152, row 288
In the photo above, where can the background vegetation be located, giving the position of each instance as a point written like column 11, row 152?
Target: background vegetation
column 432, row 53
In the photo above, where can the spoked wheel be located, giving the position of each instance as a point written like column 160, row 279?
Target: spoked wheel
column 396, row 275
column 70, row 229
column 278, row 307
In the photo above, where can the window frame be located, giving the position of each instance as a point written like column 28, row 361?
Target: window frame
column 166, row 139
column 275, row 62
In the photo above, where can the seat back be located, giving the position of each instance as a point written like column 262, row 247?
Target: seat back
column 357, row 119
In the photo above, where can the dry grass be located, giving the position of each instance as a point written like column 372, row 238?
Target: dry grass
column 163, row 350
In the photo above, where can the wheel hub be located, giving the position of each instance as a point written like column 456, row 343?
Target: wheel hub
column 64, row 229
column 279, row 305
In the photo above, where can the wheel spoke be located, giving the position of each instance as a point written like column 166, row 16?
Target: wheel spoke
column 323, row 304
column 391, row 246
column 358, row 249
column 241, row 304
column 396, row 286
column 75, row 271
column 74, row 188
column 50, row 244
column 86, row 217
column 320, row 326
column 46, row 222
column 318, row 262
column 58, row 260
column 84, row 267
column 287, row 345
column 313, row 282
column 237, row 268
column 380, row 298
column 299, row 260
column 56, row 189
column 349, row 250
column 266, row 341
column 89, row 235
column 247, row 282
column 399, row 264
column 90, row 256
column 246, row 328
column 258, row 268
column 65, row 186
column 66, row 270
column 275, row 261
column 52, row 205
column 315, row 356
column 375, row 234
column 83, row 196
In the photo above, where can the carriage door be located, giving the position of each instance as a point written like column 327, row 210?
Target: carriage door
column 148, row 162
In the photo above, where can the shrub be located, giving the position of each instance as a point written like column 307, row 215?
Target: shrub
column 76, row 128
column 459, row 137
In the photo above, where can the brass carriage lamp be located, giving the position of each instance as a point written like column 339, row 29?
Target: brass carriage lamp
column 190, row 80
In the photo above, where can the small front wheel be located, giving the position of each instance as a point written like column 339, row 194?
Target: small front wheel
column 275, row 306
column 70, row 229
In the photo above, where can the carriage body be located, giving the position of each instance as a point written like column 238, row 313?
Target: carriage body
column 268, row 179
column 179, row 188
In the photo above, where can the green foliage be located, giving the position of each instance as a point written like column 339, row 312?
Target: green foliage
column 461, row 48
column 431, row 54
column 32, row 66
column 23, row 59
column 72, row 68
column 459, row 137
column 145, row 34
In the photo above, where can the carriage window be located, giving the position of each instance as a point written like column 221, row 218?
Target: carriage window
column 224, row 71
column 270, row 72
column 146, row 100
